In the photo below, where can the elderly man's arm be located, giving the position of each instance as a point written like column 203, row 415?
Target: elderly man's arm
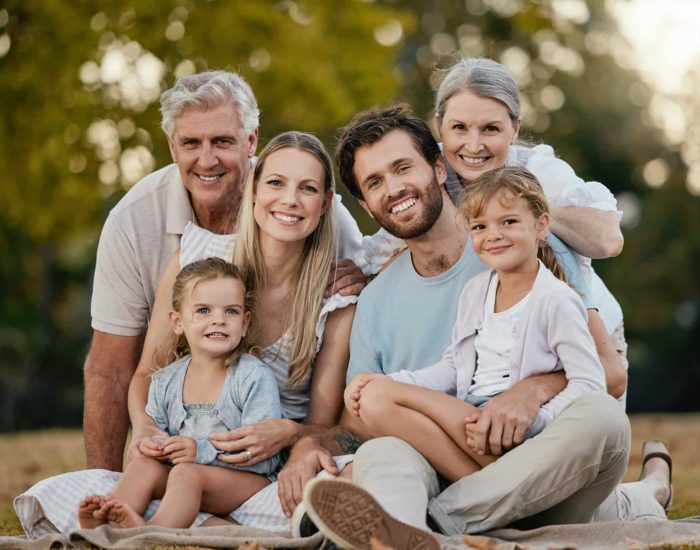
column 109, row 367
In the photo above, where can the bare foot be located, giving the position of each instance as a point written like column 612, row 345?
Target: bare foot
column 88, row 512
column 121, row 515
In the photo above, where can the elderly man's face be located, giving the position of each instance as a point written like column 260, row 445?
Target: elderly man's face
column 212, row 151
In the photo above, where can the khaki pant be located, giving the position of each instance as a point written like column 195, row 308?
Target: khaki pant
column 560, row 476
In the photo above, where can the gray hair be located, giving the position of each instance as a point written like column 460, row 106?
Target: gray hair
column 208, row 90
column 484, row 78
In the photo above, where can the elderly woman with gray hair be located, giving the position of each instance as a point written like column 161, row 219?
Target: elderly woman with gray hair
column 477, row 113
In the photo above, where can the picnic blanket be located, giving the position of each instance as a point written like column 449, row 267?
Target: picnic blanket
column 594, row 536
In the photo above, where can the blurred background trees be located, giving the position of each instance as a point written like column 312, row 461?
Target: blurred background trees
column 79, row 88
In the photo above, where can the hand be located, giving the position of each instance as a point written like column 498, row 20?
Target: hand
column 352, row 393
column 152, row 447
column 307, row 458
column 263, row 440
column 502, row 423
column 179, row 449
column 135, row 449
column 345, row 279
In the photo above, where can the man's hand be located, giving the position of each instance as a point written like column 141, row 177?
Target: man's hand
column 179, row 449
column 502, row 423
column 307, row 458
column 353, row 391
column 345, row 279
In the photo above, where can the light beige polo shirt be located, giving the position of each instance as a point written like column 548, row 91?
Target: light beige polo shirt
column 138, row 239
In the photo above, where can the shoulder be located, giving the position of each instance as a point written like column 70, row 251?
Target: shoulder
column 249, row 367
column 174, row 370
column 198, row 243
column 553, row 292
column 384, row 285
column 150, row 187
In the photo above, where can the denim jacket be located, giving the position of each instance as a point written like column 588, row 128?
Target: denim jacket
column 249, row 395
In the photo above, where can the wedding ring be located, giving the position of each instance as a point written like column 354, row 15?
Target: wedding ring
column 248, row 454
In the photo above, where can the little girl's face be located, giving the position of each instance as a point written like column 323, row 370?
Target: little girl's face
column 506, row 234
column 213, row 316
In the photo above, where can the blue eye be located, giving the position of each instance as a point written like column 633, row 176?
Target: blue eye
column 202, row 310
column 231, row 311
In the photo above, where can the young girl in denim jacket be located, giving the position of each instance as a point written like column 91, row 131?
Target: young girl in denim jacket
column 214, row 386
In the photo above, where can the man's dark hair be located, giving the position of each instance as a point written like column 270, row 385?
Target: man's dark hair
column 368, row 127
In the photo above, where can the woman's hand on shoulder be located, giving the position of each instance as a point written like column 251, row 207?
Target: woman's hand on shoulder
column 306, row 459
column 261, row 440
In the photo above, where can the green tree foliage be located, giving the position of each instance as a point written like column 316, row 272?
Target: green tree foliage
column 79, row 83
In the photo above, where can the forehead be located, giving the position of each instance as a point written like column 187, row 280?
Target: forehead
column 216, row 120
column 294, row 163
column 466, row 105
column 380, row 156
column 226, row 289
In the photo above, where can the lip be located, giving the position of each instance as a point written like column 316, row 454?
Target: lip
column 208, row 178
column 287, row 219
column 474, row 162
column 403, row 205
column 216, row 335
column 498, row 249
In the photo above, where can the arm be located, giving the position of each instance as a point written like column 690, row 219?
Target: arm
column 590, row 232
column 615, row 373
column 108, row 370
column 325, row 405
column 157, row 352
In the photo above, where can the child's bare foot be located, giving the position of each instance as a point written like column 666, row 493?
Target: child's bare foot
column 120, row 514
column 87, row 516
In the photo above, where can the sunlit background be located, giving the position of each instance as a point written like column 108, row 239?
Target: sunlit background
column 610, row 84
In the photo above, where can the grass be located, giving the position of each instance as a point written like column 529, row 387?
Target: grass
column 28, row 457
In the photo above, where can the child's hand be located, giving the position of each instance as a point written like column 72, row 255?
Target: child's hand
column 470, row 429
column 180, row 449
column 152, row 446
column 354, row 389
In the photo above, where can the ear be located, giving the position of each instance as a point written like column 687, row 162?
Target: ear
column 440, row 169
column 542, row 227
column 516, row 126
column 176, row 322
column 173, row 151
column 246, row 322
column 364, row 206
column 252, row 142
column 438, row 125
column 326, row 202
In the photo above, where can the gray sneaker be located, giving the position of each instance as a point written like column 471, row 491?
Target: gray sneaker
column 350, row 517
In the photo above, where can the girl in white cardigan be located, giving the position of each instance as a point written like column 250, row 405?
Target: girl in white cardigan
column 515, row 321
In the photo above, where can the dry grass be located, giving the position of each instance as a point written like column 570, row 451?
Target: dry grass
column 26, row 458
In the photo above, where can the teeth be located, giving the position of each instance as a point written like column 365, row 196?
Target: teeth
column 208, row 178
column 403, row 206
column 216, row 335
column 473, row 161
column 286, row 218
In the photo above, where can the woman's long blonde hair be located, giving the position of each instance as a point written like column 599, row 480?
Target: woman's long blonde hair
column 315, row 262
column 515, row 182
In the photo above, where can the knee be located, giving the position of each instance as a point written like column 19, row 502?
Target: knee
column 389, row 456
column 186, row 472
column 599, row 417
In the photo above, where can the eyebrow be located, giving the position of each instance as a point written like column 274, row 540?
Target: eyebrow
column 200, row 304
column 231, row 137
column 276, row 175
column 393, row 165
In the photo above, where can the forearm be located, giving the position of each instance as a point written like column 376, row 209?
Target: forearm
column 615, row 372
column 342, row 439
column 543, row 387
column 589, row 231
column 138, row 396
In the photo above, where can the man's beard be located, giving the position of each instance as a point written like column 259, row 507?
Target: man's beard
column 431, row 199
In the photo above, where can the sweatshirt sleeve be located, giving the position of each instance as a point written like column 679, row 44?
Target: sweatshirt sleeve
column 570, row 340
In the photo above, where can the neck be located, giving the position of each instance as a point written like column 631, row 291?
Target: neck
column 221, row 221
column 520, row 280
column 207, row 362
column 442, row 245
column 281, row 261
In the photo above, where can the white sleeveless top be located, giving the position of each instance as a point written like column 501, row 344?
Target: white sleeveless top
column 198, row 243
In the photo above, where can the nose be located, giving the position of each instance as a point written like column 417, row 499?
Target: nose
column 493, row 234
column 472, row 142
column 207, row 156
column 289, row 198
column 395, row 185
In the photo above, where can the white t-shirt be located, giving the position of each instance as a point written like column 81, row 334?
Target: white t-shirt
column 493, row 345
